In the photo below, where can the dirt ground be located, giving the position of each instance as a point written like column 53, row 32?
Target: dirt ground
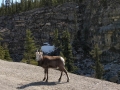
column 21, row 76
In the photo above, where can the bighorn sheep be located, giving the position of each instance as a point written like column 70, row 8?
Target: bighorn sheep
column 51, row 62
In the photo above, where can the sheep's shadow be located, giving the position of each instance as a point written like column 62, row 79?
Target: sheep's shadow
column 39, row 83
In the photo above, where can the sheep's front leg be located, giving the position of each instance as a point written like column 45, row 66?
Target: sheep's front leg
column 47, row 74
column 45, row 71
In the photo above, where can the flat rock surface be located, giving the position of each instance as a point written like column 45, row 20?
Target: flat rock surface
column 21, row 76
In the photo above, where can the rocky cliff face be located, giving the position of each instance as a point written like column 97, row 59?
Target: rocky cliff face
column 100, row 20
column 42, row 22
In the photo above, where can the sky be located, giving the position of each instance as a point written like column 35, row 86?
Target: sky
column 10, row 0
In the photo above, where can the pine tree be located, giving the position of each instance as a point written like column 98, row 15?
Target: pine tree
column 2, row 52
column 26, row 5
column 56, row 41
column 54, row 2
column 63, row 43
column 29, row 4
column 6, row 50
column 2, row 11
column 29, row 46
column 98, row 66
column 7, row 55
column 67, row 52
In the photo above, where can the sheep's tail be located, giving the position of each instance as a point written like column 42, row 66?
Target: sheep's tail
column 63, row 60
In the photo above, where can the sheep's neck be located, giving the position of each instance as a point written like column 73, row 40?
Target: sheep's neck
column 41, row 57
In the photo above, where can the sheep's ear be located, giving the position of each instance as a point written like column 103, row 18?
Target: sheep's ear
column 37, row 50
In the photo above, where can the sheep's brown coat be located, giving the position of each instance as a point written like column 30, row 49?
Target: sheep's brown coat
column 52, row 62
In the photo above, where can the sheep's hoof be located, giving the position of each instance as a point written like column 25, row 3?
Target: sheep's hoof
column 59, row 80
column 67, row 80
column 44, row 79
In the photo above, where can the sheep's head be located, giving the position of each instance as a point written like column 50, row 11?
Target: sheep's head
column 39, row 56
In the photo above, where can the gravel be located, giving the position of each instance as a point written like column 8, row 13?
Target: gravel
column 21, row 76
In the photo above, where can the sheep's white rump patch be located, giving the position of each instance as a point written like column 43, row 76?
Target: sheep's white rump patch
column 62, row 60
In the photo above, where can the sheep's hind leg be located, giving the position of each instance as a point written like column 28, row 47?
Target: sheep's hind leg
column 66, row 74
column 60, row 76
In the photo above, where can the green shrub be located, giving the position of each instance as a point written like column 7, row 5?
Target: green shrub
column 32, row 61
